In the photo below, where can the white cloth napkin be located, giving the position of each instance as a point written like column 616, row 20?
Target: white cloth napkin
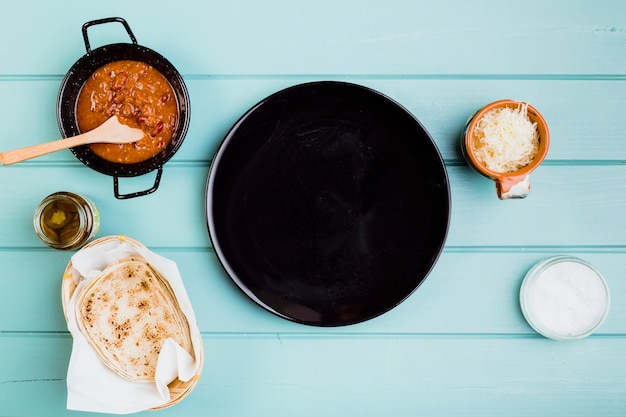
column 91, row 386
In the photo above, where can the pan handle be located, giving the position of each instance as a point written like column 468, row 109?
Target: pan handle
column 106, row 20
column 116, row 188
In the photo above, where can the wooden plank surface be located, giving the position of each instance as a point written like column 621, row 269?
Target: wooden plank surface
column 327, row 37
column 565, row 215
column 448, row 302
column 586, row 117
column 368, row 376
column 459, row 345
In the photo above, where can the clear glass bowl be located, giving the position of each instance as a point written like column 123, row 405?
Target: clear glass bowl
column 564, row 298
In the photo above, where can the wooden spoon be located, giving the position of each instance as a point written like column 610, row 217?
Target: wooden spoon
column 111, row 131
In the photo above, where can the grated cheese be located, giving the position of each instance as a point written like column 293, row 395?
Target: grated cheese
column 505, row 140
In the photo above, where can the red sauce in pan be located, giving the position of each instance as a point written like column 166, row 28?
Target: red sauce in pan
column 140, row 96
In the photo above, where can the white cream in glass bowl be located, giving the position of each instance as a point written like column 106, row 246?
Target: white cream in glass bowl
column 564, row 298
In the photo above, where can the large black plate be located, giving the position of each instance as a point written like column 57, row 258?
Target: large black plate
column 328, row 203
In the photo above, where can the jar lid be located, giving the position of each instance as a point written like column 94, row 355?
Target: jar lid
column 564, row 298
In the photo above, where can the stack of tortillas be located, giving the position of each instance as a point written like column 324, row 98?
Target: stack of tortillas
column 126, row 313
column 133, row 324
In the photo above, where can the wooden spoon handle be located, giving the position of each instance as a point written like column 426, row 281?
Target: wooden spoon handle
column 29, row 152
column 111, row 131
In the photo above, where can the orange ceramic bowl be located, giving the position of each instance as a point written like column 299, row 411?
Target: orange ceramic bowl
column 508, row 184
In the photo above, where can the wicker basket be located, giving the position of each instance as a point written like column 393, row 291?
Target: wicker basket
column 178, row 389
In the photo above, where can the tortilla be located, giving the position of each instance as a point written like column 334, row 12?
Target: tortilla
column 126, row 313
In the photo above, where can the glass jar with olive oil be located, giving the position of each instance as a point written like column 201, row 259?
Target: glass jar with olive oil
column 65, row 220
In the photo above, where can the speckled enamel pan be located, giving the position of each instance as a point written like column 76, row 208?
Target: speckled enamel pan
column 83, row 69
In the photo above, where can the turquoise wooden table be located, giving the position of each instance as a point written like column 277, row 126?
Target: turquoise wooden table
column 459, row 345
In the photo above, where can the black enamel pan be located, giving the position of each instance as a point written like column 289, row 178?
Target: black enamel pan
column 83, row 69
column 328, row 203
